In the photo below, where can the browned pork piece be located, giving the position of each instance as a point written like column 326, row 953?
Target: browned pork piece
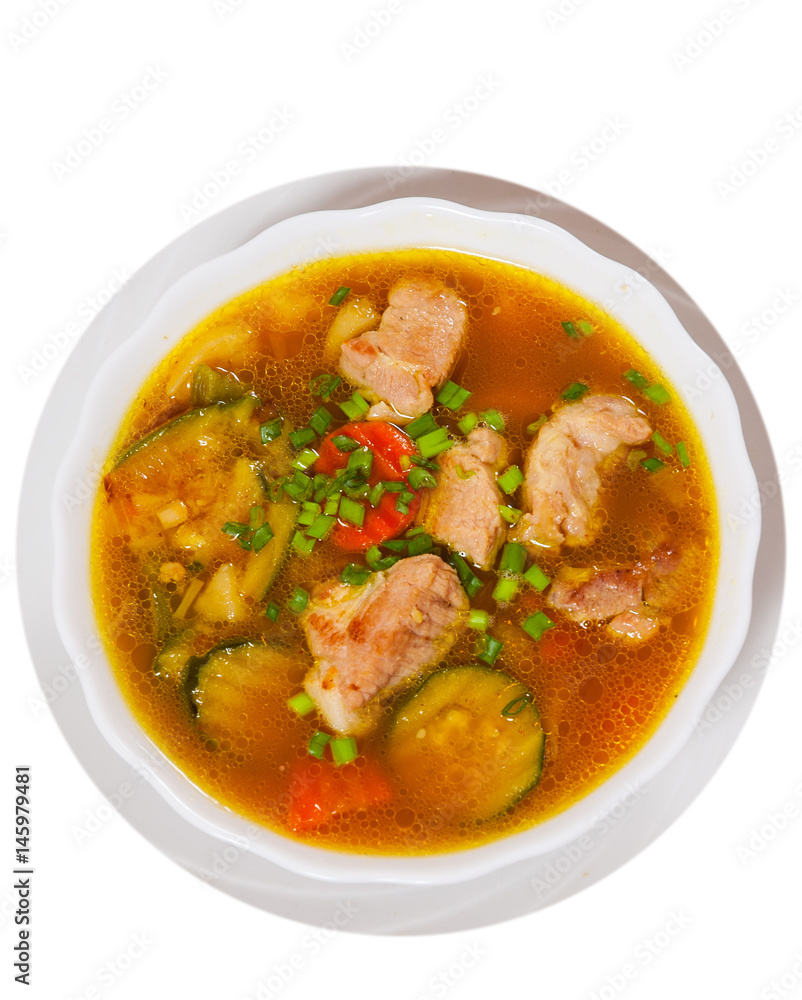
column 564, row 464
column 414, row 349
column 369, row 638
column 462, row 510
column 618, row 595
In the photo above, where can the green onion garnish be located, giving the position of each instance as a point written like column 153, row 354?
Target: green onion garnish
column 464, row 473
column 339, row 295
column 343, row 749
column 302, row 437
column 682, row 452
column 317, row 744
column 658, row 394
column 361, row 458
column 376, row 494
column 424, row 463
column 355, row 575
column 302, row 544
column 324, row 385
column 513, row 558
column 638, row 380
column 536, row 577
column 344, row 443
column 492, row 648
column 471, row 583
column 493, row 419
column 420, row 544
column 505, row 589
column 434, row 442
column 662, row 444
column 517, row 705
column 320, row 420
column 535, row 426
column 452, row 396
column 301, row 703
column 422, row 425
column 355, row 407
column 510, row 514
column 297, row 603
column 576, row 390
column 261, row 537
column 420, row 478
column 536, row 624
column 272, row 611
column 304, row 459
column 585, row 328
column 510, row 479
column 395, row 544
column 570, row 329
column 468, row 422
column 478, row 619
column 377, row 561
column 240, row 532
column 652, row 464
column 332, row 505
column 321, row 526
column 270, row 430
column 351, row 510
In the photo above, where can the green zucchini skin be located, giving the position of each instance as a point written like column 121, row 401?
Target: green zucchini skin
column 452, row 732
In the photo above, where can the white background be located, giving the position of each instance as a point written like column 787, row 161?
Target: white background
column 680, row 126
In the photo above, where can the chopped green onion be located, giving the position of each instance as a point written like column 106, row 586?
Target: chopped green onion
column 344, row 443
column 405, row 462
column 324, row 385
column 536, row 577
column 377, row 561
column 272, row 611
column 468, row 422
column 308, row 514
column 662, row 444
column 395, row 544
column 638, row 380
column 394, row 485
column 320, row 487
column 304, row 459
column 420, row 544
column 424, row 463
column 301, row 703
column 434, row 442
column 682, row 452
column 505, row 589
column 492, row 648
column 417, row 530
column 302, row 544
column 585, row 328
column 422, row 425
column 302, row 437
column 478, row 619
column 355, row 407
column 652, row 464
column 576, row 390
column 332, row 505
column 536, row 624
column 343, row 749
column 376, row 494
column 510, row 514
column 351, row 510
column 320, row 420
column 470, row 582
column 275, row 489
column 419, row 478
column 240, row 532
column 570, row 329
column 535, row 426
column 317, row 744
column 513, row 558
column 493, row 419
column 270, row 430
column 355, row 575
column 658, row 394
column 299, row 600
column 464, row 473
column 321, row 526
column 339, row 295
column 261, row 537
column 517, row 705
column 510, row 479
column 452, row 395
column 361, row 458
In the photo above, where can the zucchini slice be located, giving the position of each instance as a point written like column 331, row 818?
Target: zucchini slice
column 227, row 687
column 470, row 738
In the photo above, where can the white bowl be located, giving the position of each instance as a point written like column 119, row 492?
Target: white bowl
column 407, row 222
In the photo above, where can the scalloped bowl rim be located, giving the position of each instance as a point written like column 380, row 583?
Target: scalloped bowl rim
column 405, row 222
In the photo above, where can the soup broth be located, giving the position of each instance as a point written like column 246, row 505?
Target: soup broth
column 159, row 589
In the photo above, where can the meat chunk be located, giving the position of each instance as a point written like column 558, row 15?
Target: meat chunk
column 563, row 468
column 415, row 347
column 462, row 510
column 367, row 639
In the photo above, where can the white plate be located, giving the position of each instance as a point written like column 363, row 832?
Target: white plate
column 522, row 887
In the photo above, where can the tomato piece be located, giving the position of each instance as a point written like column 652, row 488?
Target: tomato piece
column 320, row 790
column 389, row 445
